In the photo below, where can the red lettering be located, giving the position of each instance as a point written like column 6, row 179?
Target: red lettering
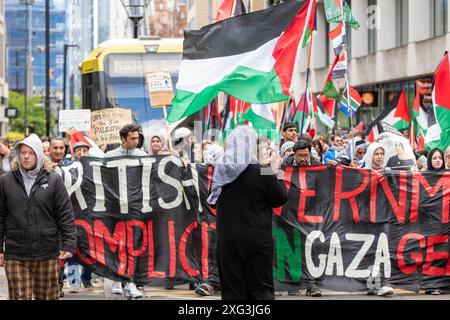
column 116, row 243
column 86, row 226
column 339, row 195
column 305, row 193
column 287, row 182
column 210, row 175
column 173, row 252
column 205, row 245
column 184, row 263
column 443, row 182
column 432, row 256
column 417, row 257
column 151, row 273
column 132, row 251
column 374, row 177
column 400, row 207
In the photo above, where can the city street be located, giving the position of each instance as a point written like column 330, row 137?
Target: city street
column 102, row 291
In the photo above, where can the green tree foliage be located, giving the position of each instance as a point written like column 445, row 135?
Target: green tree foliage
column 35, row 113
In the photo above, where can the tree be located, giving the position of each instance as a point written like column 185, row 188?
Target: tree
column 35, row 113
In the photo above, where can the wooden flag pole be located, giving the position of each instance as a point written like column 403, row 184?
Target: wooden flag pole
column 308, row 74
column 168, row 129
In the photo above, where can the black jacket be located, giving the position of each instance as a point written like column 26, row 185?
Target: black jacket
column 39, row 226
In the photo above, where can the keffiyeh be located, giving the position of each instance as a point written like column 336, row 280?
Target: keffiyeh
column 240, row 152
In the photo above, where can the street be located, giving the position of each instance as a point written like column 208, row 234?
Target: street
column 102, row 291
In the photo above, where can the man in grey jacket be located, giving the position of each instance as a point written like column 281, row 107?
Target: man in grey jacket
column 129, row 135
column 37, row 224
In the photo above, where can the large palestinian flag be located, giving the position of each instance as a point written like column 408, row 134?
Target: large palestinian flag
column 395, row 114
column 438, row 135
column 253, row 57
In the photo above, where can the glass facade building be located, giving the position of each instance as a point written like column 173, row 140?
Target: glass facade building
column 16, row 13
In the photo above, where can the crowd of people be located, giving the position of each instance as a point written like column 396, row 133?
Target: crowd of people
column 40, row 246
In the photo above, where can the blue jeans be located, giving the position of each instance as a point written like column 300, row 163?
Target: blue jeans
column 73, row 274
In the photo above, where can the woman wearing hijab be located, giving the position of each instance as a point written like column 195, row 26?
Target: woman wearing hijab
column 435, row 163
column 435, row 160
column 374, row 157
column 244, row 193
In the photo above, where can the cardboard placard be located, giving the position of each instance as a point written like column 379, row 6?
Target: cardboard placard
column 106, row 124
column 78, row 119
column 160, row 88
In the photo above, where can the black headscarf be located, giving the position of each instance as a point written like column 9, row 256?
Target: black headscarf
column 430, row 155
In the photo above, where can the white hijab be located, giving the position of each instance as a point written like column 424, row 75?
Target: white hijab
column 240, row 152
column 368, row 158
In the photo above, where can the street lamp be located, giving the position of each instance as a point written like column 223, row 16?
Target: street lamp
column 66, row 48
column 136, row 11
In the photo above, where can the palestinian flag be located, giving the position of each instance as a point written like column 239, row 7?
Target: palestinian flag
column 303, row 113
column 230, row 8
column 396, row 114
column 419, row 124
column 349, row 109
column 438, row 135
column 338, row 38
column 313, row 109
column 333, row 12
column 253, row 57
column 329, row 105
column 261, row 117
column 329, row 89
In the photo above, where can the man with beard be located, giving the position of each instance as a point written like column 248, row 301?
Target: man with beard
column 336, row 147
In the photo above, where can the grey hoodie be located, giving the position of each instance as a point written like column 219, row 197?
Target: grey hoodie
column 29, row 177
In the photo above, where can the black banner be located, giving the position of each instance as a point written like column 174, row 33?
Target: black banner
column 346, row 229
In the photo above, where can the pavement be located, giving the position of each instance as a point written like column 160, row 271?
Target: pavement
column 102, row 291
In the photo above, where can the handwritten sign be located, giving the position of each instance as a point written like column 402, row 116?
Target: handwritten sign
column 106, row 124
column 160, row 88
column 78, row 119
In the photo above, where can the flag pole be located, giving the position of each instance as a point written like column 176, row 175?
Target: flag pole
column 347, row 80
column 308, row 74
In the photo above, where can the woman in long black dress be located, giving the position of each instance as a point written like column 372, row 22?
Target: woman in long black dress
column 244, row 193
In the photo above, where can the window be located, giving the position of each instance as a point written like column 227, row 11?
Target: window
column 372, row 32
column 401, row 20
column 439, row 17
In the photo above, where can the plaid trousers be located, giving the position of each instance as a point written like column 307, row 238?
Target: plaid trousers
column 26, row 278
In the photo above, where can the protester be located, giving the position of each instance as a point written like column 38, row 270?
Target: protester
column 302, row 155
column 447, row 158
column 31, row 263
column 374, row 157
column 336, row 147
column 156, row 145
column 435, row 160
column 58, row 152
column 211, row 153
column 286, row 150
column 80, row 149
column 289, row 132
column 244, row 227
column 350, row 153
column 6, row 156
column 46, row 147
column 129, row 134
column 184, row 142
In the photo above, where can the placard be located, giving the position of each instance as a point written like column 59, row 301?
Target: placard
column 106, row 124
column 160, row 88
column 78, row 119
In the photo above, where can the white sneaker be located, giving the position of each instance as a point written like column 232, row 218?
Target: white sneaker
column 116, row 288
column 74, row 289
column 385, row 291
column 132, row 291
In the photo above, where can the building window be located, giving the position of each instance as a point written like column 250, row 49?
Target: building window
column 401, row 20
column 372, row 32
column 439, row 17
